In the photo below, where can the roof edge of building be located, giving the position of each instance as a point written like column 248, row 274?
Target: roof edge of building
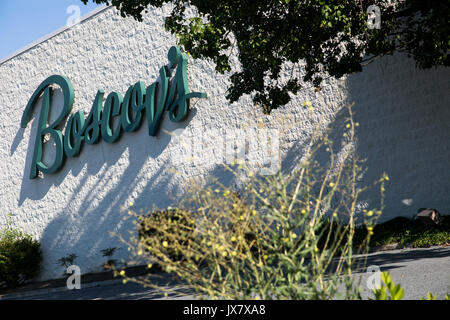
column 54, row 33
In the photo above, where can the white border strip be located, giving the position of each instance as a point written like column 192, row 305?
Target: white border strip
column 54, row 33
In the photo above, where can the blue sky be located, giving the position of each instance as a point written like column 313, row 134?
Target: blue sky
column 25, row 21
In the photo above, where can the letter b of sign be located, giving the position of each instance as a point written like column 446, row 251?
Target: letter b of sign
column 45, row 87
column 74, row 280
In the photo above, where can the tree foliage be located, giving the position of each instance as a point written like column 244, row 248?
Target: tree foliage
column 273, row 37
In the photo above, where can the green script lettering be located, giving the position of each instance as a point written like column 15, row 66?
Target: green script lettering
column 138, row 102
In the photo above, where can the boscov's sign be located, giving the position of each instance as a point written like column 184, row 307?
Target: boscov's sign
column 138, row 102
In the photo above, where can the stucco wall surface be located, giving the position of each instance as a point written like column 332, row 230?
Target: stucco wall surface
column 403, row 116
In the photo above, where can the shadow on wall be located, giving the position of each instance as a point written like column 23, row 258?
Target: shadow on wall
column 403, row 130
column 404, row 117
column 83, row 227
column 36, row 189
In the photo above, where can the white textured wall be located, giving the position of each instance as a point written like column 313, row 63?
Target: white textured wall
column 404, row 118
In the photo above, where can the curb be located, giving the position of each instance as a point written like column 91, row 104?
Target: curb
column 30, row 293
column 90, row 280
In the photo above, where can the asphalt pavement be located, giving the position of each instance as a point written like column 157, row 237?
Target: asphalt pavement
column 417, row 270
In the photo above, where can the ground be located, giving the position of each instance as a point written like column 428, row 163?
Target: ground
column 417, row 270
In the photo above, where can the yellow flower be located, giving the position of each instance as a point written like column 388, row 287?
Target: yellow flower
column 254, row 212
column 335, row 215
column 331, row 184
column 303, row 211
column 348, row 125
column 224, row 253
column 369, row 213
column 241, row 217
column 226, row 193
column 217, row 191
column 233, row 239
column 293, row 235
column 130, row 204
column 149, row 266
column 139, row 252
column 369, row 228
column 165, row 294
column 124, row 281
column 316, row 249
column 122, row 273
column 165, row 244
column 307, row 103
column 265, row 257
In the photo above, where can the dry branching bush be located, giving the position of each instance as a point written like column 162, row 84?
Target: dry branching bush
column 286, row 236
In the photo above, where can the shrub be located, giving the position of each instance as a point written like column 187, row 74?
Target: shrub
column 408, row 232
column 108, row 253
column 273, row 237
column 66, row 262
column 388, row 289
column 20, row 257
column 156, row 230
